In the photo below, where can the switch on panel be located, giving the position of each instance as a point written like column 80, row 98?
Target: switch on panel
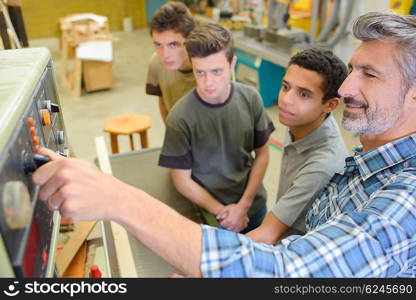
column 16, row 204
column 45, row 116
column 49, row 105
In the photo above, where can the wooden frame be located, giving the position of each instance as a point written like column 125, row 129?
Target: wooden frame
column 8, row 34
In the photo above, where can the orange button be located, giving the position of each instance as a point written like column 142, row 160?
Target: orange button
column 35, row 140
column 36, row 148
column 30, row 122
column 32, row 131
column 46, row 117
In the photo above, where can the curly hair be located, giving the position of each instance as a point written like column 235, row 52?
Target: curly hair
column 325, row 63
column 209, row 39
column 173, row 16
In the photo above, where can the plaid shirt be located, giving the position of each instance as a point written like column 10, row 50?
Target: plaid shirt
column 363, row 224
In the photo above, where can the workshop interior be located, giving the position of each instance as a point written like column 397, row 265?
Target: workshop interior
column 69, row 76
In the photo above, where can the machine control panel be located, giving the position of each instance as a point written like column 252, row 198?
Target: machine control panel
column 27, row 226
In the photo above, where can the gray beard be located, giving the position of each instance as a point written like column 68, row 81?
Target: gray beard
column 371, row 122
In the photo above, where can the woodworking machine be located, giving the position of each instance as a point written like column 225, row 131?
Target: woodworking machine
column 30, row 117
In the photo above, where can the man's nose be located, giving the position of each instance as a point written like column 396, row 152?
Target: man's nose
column 349, row 87
column 208, row 79
column 286, row 97
column 164, row 52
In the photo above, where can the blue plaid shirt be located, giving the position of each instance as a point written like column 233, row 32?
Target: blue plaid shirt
column 363, row 224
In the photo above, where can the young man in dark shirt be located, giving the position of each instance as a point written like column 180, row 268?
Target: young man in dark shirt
column 211, row 133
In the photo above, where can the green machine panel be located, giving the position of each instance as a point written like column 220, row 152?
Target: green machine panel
column 262, row 74
column 30, row 117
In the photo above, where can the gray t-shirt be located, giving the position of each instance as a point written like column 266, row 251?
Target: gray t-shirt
column 307, row 166
column 216, row 142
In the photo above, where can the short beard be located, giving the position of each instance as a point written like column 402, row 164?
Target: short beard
column 372, row 121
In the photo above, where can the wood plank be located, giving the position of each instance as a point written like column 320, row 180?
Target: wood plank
column 16, row 17
column 76, row 268
column 15, row 3
column 9, row 25
column 123, row 249
column 3, row 32
column 71, row 248
column 76, row 78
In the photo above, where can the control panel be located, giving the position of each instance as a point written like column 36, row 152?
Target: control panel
column 31, row 120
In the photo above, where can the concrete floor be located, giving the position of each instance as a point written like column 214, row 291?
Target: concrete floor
column 84, row 117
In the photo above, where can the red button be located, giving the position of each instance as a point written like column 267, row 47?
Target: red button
column 44, row 256
column 95, row 272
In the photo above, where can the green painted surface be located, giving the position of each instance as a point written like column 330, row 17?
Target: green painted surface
column 6, row 269
column 20, row 71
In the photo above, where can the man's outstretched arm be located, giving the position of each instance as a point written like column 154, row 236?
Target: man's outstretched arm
column 79, row 190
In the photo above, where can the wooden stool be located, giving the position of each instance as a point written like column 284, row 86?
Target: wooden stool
column 127, row 125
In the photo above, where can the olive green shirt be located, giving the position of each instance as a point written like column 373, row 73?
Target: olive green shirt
column 170, row 85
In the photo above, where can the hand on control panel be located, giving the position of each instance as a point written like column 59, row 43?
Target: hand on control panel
column 78, row 189
column 82, row 192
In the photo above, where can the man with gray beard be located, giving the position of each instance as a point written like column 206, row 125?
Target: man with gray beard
column 363, row 223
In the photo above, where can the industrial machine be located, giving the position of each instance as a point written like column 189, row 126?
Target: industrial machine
column 30, row 117
column 281, row 34
column 264, row 51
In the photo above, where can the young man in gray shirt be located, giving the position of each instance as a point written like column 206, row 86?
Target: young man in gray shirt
column 211, row 134
column 314, row 148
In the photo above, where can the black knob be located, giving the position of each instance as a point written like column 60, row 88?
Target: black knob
column 32, row 161
column 54, row 107
column 47, row 104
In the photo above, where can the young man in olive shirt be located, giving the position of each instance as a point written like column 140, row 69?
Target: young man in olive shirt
column 170, row 72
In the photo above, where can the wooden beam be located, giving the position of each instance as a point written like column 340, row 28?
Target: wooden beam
column 16, row 17
column 71, row 248
column 121, row 240
column 3, row 32
column 9, row 25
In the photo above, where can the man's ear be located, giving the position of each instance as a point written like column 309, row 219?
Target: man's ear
column 411, row 94
column 331, row 104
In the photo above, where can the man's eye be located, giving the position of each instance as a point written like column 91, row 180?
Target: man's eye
column 304, row 95
column 217, row 72
column 369, row 75
column 173, row 45
column 199, row 73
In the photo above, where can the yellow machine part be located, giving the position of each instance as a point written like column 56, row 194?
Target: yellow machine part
column 301, row 5
column 301, row 15
column 401, row 6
